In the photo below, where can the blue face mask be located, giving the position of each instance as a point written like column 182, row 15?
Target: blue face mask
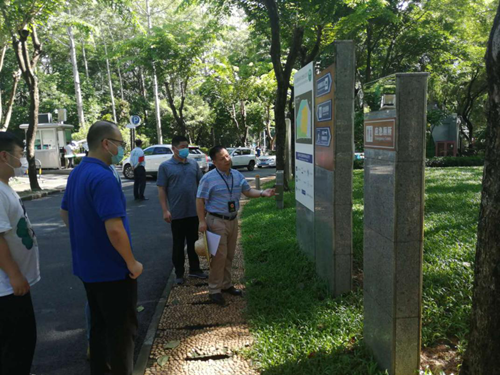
column 116, row 159
column 183, row 153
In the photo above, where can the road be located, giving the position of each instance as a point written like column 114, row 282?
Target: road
column 59, row 298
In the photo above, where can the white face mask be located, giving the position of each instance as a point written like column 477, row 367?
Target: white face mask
column 19, row 171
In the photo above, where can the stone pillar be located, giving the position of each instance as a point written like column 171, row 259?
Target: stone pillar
column 394, row 227
column 334, row 150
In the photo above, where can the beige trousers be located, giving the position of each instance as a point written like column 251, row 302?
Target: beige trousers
column 220, row 266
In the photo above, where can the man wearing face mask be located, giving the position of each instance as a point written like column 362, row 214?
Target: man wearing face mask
column 19, row 269
column 94, row 209
column 177, row 182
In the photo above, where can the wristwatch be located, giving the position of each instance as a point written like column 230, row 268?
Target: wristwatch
column 262, row 191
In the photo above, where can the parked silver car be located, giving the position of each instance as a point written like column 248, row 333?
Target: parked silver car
column 268, row 160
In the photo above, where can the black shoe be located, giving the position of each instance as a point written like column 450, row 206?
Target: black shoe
column 217, row 299
column 233, row 291
column 144, row 199
column 198, row 275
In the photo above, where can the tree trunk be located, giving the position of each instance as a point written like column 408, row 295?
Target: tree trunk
column 76, row 79
column 31, row 135
column 10, row 104
column 27, row 65
column 482, row 356
column 121, row 81
column 85, row 62
column 282, row 77
column 110, row 83
column 243, row 114
column 155, row 84
column 2, row 57
column 368, row 70
column 178, row 118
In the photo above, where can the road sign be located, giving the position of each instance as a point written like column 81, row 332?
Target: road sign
column 135, row 120
column 130, row 126
column 324, row 85
column 324, row 112
column 323, row 137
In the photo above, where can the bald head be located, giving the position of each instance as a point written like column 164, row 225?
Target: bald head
column 99, row 131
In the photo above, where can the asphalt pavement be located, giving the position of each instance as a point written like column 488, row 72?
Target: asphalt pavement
column 59, row 298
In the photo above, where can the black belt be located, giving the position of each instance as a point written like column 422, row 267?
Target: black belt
column 223, row 217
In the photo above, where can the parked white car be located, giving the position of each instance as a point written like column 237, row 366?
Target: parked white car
column 242, row 157
column 268, row 160
column 157, row 154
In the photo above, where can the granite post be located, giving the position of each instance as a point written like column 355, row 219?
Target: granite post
column 394, row 227
column 334, row 150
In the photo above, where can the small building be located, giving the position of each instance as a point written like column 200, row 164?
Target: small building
column 50, row 141
column 446, row 136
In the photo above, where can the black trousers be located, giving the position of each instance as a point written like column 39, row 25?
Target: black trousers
column 17, row 334
column 139, row 182
column 185, row 231
column 113, row 325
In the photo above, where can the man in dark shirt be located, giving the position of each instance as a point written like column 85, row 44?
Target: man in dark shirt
column 94, row 209
column 177, row 182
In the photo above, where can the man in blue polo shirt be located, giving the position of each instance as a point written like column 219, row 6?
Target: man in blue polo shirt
column 94, row 208
column 217, row 204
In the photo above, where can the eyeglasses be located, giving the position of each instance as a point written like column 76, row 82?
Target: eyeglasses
column 123, row 144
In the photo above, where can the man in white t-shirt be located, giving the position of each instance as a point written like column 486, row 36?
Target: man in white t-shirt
column 70, row 156
column 19, row 269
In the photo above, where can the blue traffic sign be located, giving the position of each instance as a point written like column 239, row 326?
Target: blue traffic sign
column 324, row 85
column 135, row 120
column 323, row 137
column 324, row 112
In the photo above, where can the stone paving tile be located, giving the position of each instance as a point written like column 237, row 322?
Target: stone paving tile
column 198, row 338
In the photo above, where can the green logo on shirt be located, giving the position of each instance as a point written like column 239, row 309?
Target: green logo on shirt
column 23, row 232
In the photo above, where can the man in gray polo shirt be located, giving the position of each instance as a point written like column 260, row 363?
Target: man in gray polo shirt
column 177, row 183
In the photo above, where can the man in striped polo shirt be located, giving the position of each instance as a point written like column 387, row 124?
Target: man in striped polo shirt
column 217, row 205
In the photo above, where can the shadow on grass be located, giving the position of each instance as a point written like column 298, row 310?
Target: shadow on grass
column 299, row 328
column 350, row 361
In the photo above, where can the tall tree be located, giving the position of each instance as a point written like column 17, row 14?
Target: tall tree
column 482, row 355
column 20, row 20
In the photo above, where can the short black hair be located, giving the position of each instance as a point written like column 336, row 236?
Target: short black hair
column 8, row 140
column 138, row 142
column 215, row 150
column 178, row 139
column 98, row 131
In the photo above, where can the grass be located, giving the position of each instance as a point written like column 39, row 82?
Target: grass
column 300, row 330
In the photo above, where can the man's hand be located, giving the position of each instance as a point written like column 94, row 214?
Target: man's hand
column 167, row 216
column 268, row 193
column 135, row 269
column 19, row 284
column 202, row 227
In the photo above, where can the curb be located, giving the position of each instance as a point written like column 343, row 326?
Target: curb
column 41, row 194
column 142, row 359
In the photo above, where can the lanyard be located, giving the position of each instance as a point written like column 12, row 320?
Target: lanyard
column 227, row 185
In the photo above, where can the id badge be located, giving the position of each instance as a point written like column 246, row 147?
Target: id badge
column 231, row 206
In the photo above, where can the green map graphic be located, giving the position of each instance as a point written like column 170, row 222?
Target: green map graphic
column 23, row 232
column 304, row 121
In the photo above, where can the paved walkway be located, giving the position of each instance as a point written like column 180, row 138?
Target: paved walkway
column 195, row 336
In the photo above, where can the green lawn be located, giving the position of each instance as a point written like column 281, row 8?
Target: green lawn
column 300, row 330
